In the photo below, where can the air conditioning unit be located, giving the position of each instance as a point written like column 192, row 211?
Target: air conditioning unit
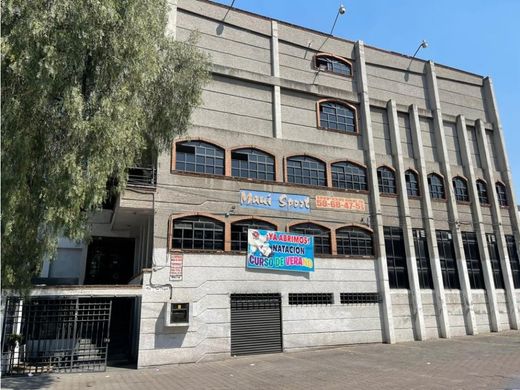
column 177, row 314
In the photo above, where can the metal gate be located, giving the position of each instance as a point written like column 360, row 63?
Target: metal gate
column 55, row 335
column 256, row 324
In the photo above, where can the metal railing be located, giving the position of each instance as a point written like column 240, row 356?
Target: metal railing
column 142, row 177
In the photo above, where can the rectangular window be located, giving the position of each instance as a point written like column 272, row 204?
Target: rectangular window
column 513, row 259
column 494, row 257
column 396, row 257
column 472, row 253
column 359, row 298
column 447, row 259
column 423, row 258
column 311, row 299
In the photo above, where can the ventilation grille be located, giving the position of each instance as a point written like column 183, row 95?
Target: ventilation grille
column 311, row 299
column 359, row 298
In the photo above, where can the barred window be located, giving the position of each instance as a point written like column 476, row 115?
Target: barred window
column 460, row 187
column 198, row 233
column 412, row 183
column 449, row 271
column 423, row 259
column 252, row 164
column 354, row 241
column 239, row 232
column 494, row 256
column 396, row 257
column 311, row 298
column 349, row 176
column 321, row 236
column 482, row 192
column 474, row 265
column 513, row 259
column 337, row 116
column 306, row 170
column 333, row 64
column 501, row 194
column 386, row 180
column 199, row 157
column 436, row 185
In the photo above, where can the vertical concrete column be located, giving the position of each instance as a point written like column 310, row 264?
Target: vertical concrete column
column 512, row 306
column 375, row 202
column 406, row 223
column 429, row 226
column 275, row 71
column 478, row 224
column 440, row 138
column 171, row 27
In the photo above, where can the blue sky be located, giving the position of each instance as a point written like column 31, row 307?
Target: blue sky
column 481, row 37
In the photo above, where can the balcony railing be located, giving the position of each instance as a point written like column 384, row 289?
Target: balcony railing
column 142, row 177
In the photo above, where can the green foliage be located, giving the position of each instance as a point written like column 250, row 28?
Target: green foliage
column 87, row 86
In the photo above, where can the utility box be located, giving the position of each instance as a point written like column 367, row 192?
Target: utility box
column 177, row 314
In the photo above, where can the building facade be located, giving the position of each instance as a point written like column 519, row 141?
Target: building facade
column 396, row 166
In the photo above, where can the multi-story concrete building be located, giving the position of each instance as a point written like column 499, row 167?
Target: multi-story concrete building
column 395, row 165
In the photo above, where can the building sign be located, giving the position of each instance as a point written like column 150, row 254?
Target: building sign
column 279, row 251
column 332, row 202
column 176, row 263
column 275, row 201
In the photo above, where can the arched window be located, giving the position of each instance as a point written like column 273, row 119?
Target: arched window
column 252, row 164
column 482, row 192
column 306, row 170
column 239, row 232
column 349, row 176
column 460, row 187
column 412, row 183
column 501, row 194
column 197, row 233
column 436, row 185
column 321, row 236
column 337, row 116
column 354, row 241
column 332, row 64
column 386, row 180
column 199, row 157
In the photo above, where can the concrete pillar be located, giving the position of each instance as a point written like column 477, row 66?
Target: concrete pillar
column 440, row 138
column 478, row 224
column 275, row 71
column 406, row 223
column 512, row 306
column 429, row 226
column 375, row 203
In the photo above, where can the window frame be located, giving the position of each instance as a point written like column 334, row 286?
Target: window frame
column 255, row 225
column 483, row 196
column 369, row 251
column 381, row 185
column 430, row 186
column 396, row 262
column 449, row 268
column 304, row 157
column 194, row 218
column 176, row 162
column 473, row 260
column 494, row 258
column 514, row 259
column 501, row 191
column 333, row 58
column 318, row 239
column 362, row 180
column 259, row 152
column 461, row 193
column 345, row 105
column 422, row 255
column 413, row 173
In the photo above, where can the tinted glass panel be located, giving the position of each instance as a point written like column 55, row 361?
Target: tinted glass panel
column 354, row 242
column 423, row 259
column 396, row 257
column 474, row 265
column 447, row 259
column 198, row 233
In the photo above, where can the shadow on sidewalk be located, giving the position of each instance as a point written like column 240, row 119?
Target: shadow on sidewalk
column 25, row 382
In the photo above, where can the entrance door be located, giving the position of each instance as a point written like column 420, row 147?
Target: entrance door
column 256, row 324
column 110, row 260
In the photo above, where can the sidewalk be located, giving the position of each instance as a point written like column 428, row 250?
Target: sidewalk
column 490, row 361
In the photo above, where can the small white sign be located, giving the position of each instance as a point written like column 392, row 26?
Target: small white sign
column 176, row 264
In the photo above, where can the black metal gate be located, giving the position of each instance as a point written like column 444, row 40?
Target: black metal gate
column 55, row 335
column 256, row 324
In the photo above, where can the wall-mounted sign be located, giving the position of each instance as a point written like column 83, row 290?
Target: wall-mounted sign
column 176, row 263
column 279, row 251
column 332, row 202
column 275, row 201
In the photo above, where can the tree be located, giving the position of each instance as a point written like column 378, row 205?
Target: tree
column 87, row 86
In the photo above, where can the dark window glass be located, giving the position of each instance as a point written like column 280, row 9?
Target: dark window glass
column 252, row 164
column 494, row 256
column 423, row 259
column 349, row 176
column 321, row 236
column 436, row 185
column 306, row 170
column 354, row 241
column 513, row 259
column 239, row 232
column 199, row 157
column 386, row 180
column 337, row 116
column 501, row 194
column 396, row 257
column 461, row 189
column 334, row 65
column 482, row 192
column 447, row 259
column 412, row 183
column 198, row 233
column 473, row 263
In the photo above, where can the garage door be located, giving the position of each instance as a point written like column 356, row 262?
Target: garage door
column 256, row 324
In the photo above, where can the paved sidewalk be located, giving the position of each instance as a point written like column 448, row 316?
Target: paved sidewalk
column 490, row 361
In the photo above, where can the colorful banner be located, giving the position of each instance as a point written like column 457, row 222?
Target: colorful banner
column 279, row 251
column 332, row 202
column 275, row 201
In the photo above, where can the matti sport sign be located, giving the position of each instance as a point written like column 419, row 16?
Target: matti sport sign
column 279, row 251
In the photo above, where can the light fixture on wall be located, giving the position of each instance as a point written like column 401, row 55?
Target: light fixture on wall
column 341, row 11
column 422, row 45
